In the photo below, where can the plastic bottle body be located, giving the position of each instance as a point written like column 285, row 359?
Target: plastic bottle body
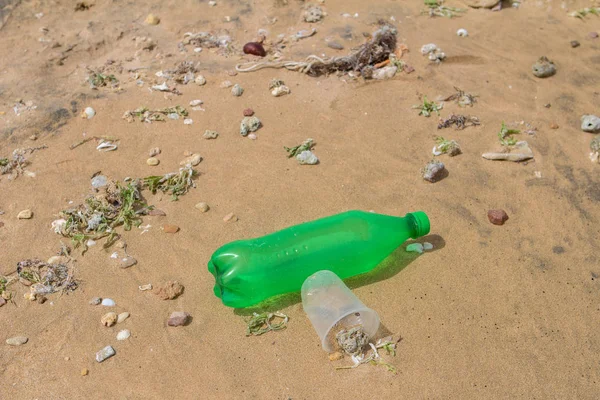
column 348, row 244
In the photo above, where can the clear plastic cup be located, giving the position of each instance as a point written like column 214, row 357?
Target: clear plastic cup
column 331, row 307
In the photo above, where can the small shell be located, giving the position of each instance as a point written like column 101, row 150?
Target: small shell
column 280, row 91
column 200, row 80
column 462, row 32
column 89, row 113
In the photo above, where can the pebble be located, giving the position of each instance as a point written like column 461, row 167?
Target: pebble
column 105, row 353
column 154, row 152
column 170, row 228
column 237, row 90
column 195, row 103
column 200, row 80
column 280, row 91
column 554, row 125
column 2, row 301
column 519, row 152
column 314, row 14
column 192, row 160
column 208, row 134
column 254, row 48
column 575, row 43
column 84, row 371
column 338, row 355
column 590, row 123
column 17, row 340
column 178, row 318
column 249, row 124
column 88, row 113
column 41, row 299
column 482, row 3
column 433, row 171
column 307, row 158
column 108, row 302
column 248, row 112
column 25, row 214
column 415, row 248
column 226, row 84
column 593, row 35
column 152, row 19
column 212, row 3
column 99, row 181
column 252, row 136
column 231, row 217
column 203, row 207
column 124, row 334
column 462, row 32
column 197, row 49
column 497, row 217
column 95, row 301
column 152, row 161
column 109, row 319
column 122, row 317
column 188, row 121
column 543, row 68
column 127, row 262
column 157, row 213
column 143, row 288
column 386, row 72
column 332, row 44
column 170, row 290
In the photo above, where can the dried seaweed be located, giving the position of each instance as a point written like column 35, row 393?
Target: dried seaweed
column 15, row 165
column 462, row 98
column 261, row 323
column 308, row 144
column 444, row 146
column 460, row 121
column 97, row 79
column 175, row 183
column 183, row 73
column 359, row 357
column 47, row 278
column 146, row 115
column 435, row 8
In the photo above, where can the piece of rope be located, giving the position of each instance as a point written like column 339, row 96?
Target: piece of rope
column 301, row 66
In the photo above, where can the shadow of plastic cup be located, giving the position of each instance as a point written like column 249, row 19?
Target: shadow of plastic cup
column 332, row 307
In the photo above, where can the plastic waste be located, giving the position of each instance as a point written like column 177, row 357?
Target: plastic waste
column 249, row 271
column 332, row 307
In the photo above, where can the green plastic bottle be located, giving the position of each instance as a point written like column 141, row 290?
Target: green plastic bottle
column 351, row 243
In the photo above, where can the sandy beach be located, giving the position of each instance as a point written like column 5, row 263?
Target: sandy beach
column 492, row 312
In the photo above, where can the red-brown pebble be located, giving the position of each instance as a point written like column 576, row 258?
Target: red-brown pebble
column 2, row 301
column 497, row 217
column 178, row 318
column 248, row 112
column 170, row 228
column 593, row 35
column 255, row 48
column 1, row 224
column 554, row 125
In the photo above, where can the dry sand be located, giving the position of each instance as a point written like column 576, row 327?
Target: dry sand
column 493, row 312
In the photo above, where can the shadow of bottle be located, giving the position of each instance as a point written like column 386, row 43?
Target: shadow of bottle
column 389, row 267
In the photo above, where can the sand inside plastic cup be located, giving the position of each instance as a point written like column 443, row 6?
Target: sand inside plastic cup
column 331, row 307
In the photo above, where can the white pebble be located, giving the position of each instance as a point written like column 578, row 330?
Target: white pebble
column 197, row 49
column 122, row 317
column 108, row 302
column 89, row 112
column 194, row 103
column 188, row 121
column 123, row 335
column 462, row 32
column 114, row 255
column 415, row 248
column 105, row 353
column 90, row 243
column 427, row 246
column 252, row 136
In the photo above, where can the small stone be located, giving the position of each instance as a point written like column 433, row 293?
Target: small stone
column 157, row 213
column 208, row 134
column 108, row 302
column 88, row 113
column 226, row 84
column 152, row 161
column 519, row 152
column 84, row 371
column 143, row 288
column 187, row 153
column 95, row 301
column 2, row 301
column 109, row 319
column 212, row 3
column 192, row 160
column 178, row 318
column 237, row 90
column 29, row 296
column 17, row 341
column 41, row 299
column 307, row 158
column 338, row 355
column 195, row 103
column 554, row 125
column 188, row 121
column 154, row 152
column 248, row 112
column 124, row 334
column 543, row 68
column 590, row 123
column 152, row 19
column 593, row 35
column 203, row 207
column 99, row 181
column 384, row 73
column 497, row 217
column 25, row 214
column 482, row 3
column 127, row 262
column 200, row 80
column 547, row 105
column 105, row 353
column 462, row 32
column 122, row 317
column 332, row 44
column 252, row 136
column 197, row 49
column 433, row 171
column 280, row 91
column 168, row 228
column 169, row 291
column 575, row 43
column 313, row 14
column 415, row 248
column 231, row 217
column 249, row 124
